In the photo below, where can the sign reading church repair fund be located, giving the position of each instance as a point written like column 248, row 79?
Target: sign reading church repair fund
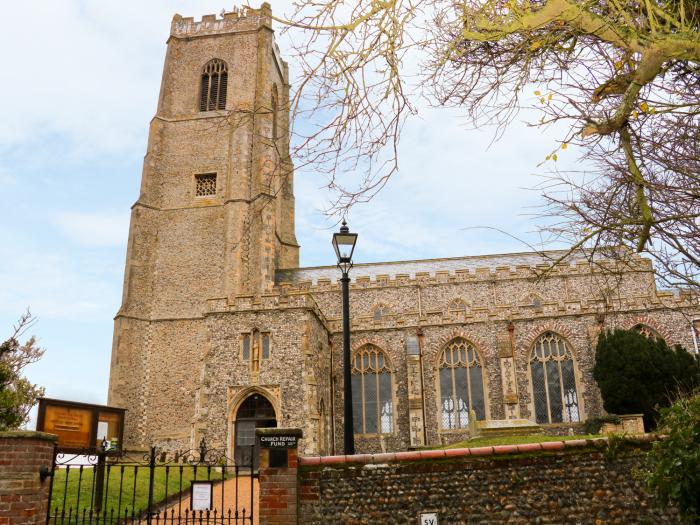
column 281, row 441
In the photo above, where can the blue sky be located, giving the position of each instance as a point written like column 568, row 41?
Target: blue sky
column 79, row 84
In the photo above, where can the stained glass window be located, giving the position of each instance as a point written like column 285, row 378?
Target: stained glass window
column 553, row 381
column 461, row 385
column 372, row 401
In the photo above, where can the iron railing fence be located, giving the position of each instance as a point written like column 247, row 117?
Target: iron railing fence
column 151, row 489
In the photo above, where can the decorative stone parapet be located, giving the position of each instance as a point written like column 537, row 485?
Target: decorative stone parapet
column 239, row 19
column 25, row 459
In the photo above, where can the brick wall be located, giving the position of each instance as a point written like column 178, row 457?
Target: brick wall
column 24, row 498
column 558, row 482
column 278, row 486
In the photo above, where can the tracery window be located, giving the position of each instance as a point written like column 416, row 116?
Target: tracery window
column 214, row 84
column 553, row 380
column 461, row 385
column 254, row 347
column 646, row 331
column 457, row 305
column 372, row 402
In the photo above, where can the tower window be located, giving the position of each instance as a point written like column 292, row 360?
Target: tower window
column 205, row 184
column 255, row 346
column 213, row 86
column 246, row 347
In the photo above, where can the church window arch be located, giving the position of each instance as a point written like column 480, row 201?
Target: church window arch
column 457, row 305
column 213, row 85
column 647, row 331
column 461, row 384
column 255, row 346
column 372, row 399
column 554, row 385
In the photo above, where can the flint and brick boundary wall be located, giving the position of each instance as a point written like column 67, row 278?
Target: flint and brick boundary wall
column 578, row 481
column 24, row 497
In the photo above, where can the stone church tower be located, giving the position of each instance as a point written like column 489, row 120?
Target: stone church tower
column 215, row 215
column 220, row 331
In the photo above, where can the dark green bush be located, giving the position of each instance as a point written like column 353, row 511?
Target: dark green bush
column 637, row 375
column 675, row 477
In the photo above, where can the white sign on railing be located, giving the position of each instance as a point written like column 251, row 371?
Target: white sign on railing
column 202, row 492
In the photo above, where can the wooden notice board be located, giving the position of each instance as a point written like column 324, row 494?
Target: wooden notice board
column 81, row 426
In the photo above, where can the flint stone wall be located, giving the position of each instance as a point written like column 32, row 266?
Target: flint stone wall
column 568, row 485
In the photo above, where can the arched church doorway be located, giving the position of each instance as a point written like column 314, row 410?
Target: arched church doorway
column 255, row 412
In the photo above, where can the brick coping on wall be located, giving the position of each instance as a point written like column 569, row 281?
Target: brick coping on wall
column 27, row 434
column 418, row 455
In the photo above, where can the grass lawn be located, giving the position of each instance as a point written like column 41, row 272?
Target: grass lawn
column 515, row 440
column 125, row 487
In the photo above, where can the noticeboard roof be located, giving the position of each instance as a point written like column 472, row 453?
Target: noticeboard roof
column 79, row 404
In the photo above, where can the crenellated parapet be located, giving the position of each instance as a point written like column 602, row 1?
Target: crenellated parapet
column 457, row 270
column 266, row 302
column 464, row 295
column 239, row 19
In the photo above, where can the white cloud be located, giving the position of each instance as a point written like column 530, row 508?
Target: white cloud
column 94, row 229
column 55, row 283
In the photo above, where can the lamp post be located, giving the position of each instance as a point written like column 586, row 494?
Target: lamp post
column 344, row 246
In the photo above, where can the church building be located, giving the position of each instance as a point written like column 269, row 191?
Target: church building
column 220, row 331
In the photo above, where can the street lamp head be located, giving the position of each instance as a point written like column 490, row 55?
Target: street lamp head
column 344, row 245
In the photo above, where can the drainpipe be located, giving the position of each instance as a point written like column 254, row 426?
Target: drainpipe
column 694, row 332
column 332, row 378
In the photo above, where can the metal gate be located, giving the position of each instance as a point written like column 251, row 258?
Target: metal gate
column 198, row 486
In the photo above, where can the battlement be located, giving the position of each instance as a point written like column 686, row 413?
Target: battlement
column 459, row 269
column 238, row 19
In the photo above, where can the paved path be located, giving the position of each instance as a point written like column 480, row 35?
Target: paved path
column 243, row 488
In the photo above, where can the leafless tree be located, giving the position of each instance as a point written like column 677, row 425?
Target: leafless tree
column 620, row 77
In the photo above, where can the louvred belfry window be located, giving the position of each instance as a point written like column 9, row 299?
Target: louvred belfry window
column 214, row 85
column 553, row 381
column 461, row 385
column 372, row 401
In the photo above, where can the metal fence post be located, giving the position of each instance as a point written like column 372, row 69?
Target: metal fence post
column 152, row 471
column 100, row 479
column 53, row 472
column 252, row 485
